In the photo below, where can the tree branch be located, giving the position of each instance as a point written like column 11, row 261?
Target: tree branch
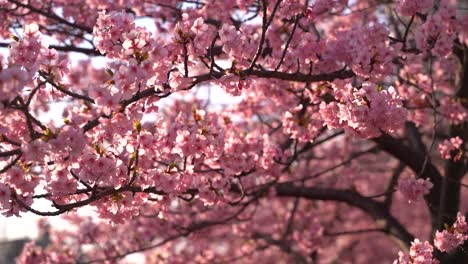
column 416, row 161
column 87, row 51
column 375, row 209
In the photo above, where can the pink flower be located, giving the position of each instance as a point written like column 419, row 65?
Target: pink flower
column 110, row 29
column 451, row 148
column 435, row 35
column 366, row 111
column 414, row 189
column 133, row 42
column 32, row 254
column 12, row 81
column 34, row 151
column 199, row 25
column 178, row 82
column 330, row 115
column 460, row 225
column 402, row 258
column 27, row 52
column 31, row 29
column 421, row 252
column 454, row 111
column 446, row 241
column 452, row 237
column 105, row 99
column 304, row 126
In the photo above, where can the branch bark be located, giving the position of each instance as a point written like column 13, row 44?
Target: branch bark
column 87, row 51
column 375, row 209
column 415, row 160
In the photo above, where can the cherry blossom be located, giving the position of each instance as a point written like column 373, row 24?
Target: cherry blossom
column 451, row 148
column 446, row 241
column 414, row 189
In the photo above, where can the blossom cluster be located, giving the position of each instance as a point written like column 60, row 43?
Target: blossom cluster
column 420, row 253
column 302, row 123
column 28, row 51
column 366, row 112
column 452, row 237
column 414, row 189
column 445, row 241
column 451, row 148
column 36, row 254
column 113, row 32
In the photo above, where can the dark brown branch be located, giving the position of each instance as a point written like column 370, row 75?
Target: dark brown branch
column 19, row 104
column 290, row 223
column 354, row 232
column 285, row 50
column 10, row 153
column 11, row 164
column 391, row 185
column 97, row 194
column 265, row 25
column 186, row 69
column 6, row 139
column 63, row 90
column 299, row 77
column 415, row 138
column 416, row 161
column 87, row 51
column 352, row 157
column 295, row 77
column 375, row 209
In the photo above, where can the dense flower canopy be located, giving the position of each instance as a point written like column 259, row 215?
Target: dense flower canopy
column 343, row 139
